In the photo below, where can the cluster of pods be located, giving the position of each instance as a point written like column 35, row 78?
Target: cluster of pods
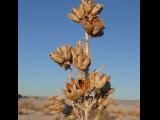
column 67, row 55
column 87, row 14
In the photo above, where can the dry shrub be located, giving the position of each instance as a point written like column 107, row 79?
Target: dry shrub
column 29, row 105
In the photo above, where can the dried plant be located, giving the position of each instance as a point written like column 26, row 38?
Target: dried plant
column 88, row 92
column 87, row 14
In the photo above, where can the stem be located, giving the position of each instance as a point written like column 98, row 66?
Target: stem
column 87, row 46
column 86, row 109
column 98, row 114
column 86, row 114
column 75, row 110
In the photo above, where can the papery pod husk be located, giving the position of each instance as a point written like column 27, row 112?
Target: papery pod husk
column 74, row 94
column 55, row 56
column 78, row 13
column 73, row 81
column 94, row 27
column 80, row 49
column 87, row 25
column 87, row 6
column 96, row 30
column 97, row 9
column 66, row 52
column 62, row 56
column 73, row 17
column 84, row 85
column 100, row 81
column 73, row 51
column 99, row 26
column 106, row 87
column 81, row 9
column 81, row 62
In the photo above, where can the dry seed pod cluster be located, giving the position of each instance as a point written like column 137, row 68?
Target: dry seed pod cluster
column 90, row 90
column 62, row 56
column 67, row 55
column 80, row 59
column 87, row 14
column 75, row 89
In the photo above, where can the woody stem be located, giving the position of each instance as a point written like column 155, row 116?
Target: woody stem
column 87, row 46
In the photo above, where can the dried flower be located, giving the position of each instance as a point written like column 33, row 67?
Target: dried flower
column 62, row 56
column 98, row 81
column 72, row 92
column 85, row 15
column 80, row 59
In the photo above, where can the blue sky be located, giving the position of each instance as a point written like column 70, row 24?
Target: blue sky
column 43, row 26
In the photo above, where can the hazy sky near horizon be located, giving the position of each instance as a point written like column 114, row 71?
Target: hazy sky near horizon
column 43, row 26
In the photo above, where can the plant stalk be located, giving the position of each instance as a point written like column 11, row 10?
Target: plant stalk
column 87, row 46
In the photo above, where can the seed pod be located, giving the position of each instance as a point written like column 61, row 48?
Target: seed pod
column 96, row 30
column 99, row 26
column 88, row 27
column 97, row 9
column 79, row 51
column 78, row 13
column 81, row 9
column 81, row 62
column 73, row 52
column 87, row 7
column 73, row 17
column 56, row 57
column 66, row 51
column 81, row 84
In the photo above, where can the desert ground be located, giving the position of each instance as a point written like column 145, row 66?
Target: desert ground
column 32, row 108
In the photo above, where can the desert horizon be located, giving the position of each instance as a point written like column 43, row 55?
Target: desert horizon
column 34, row 108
